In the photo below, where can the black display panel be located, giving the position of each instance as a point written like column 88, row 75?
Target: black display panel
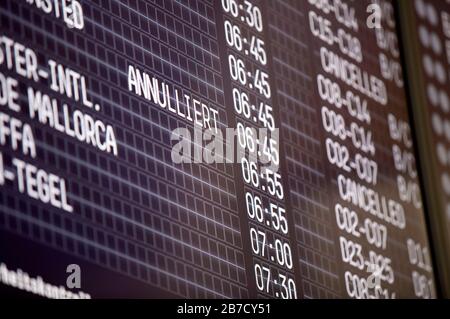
column 112, row 168
column 426, row 26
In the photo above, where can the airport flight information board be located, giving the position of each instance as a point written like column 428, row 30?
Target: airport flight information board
column 427, row 52
column 112, row 169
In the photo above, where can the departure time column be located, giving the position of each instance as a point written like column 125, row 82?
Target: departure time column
column 259, row 158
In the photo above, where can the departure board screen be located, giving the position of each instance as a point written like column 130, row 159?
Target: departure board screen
column 428, row 52
column 207, row 149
